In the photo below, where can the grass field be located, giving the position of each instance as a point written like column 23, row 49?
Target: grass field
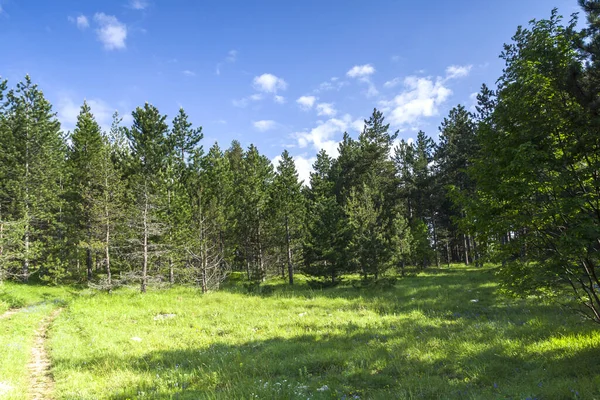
column 441, row 334
column 17, row 331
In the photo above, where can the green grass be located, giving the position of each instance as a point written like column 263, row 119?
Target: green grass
column 442, row 334
column 17, row 332
column 16, row 338
column 16, row 295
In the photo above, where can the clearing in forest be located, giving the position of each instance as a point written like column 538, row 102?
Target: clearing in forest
column 444, row 333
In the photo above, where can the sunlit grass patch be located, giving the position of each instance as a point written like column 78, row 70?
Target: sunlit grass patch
column 423, row 338
column 16, row 339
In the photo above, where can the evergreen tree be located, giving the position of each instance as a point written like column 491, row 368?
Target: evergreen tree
column 182, row 149
column 256, row 178
column 325, row 224
column 288, row 207
column 111, row 204
column 149, row 152
column 36, row 154
column 454, row 155
column 85, row 183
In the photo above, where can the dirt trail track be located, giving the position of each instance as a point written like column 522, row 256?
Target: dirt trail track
column 9, row 313
column 42, row 384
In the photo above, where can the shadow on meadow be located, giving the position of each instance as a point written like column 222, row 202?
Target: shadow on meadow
column 439, row 335
column 368, row 363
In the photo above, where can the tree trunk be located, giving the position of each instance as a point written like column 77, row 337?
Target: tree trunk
column 107, row 236
column 88, row 253
column 107, row 255
column 171, row 272
column 261, row 265
column 448, row 252
column 289, row 251
column 145, row 250
column 248, row 262
column 466, row 249
column 204, row 264
column 476, row 255
column 435, row 244
column 281, row 266
column 332, row 274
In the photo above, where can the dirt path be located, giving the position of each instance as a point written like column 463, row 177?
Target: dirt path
column 9, row 313
column 42, row 384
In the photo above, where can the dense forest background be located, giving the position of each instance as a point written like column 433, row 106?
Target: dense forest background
column 514, row 182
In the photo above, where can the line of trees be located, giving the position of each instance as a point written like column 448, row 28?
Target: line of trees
column 516, row 182
column 146, row 202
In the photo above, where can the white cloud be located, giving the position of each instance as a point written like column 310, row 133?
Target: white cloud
column 332, row 84
column 306, row 102
column 458, row 71
column 371, row 90
column 279, row 99
column 111, row 32
column 81, row 21
column 358, row 125
column 264, row 125
column 243, row 102
column 394, row 82
column 304, row 167
column 360, row 71
column 187, row 72
column 138, row 4
column 326, row 109
column 269, row 83
column 363, row 73
column 420, row 98
column 326, row 134
column 473, row 101
column 68, row 110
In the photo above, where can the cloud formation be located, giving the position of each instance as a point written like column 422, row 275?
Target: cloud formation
column 326, row 109
column 306, row 102
column 326, row 134
column 269, row 83
column 138, row 4
column 420, row 97
column 361, row 71
column 458, row 71
column 81, row 21
column 264, row 125
column 111, row 32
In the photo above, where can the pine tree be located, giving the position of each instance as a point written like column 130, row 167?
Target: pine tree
column 256, row 178
column 147, row 141
column 456, row 149
column 288, row 207
column 84, row 165
column 325, row 224
column 36, row 184
column 111, row 204
column 182, row 150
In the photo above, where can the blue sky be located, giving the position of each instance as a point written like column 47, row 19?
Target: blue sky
column 279, row 74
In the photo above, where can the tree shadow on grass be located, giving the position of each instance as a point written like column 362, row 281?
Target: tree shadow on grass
column 370, row 363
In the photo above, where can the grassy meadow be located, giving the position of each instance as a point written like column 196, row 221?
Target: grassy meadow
column 444, row 333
